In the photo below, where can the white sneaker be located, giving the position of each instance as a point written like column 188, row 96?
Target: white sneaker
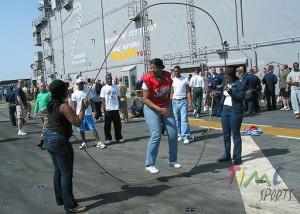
column 83, row 146
column 195, row 111
column 100, row 145
column 209, row 108
column 179, row 138
column 107, row 142
column 287, row 109
column 205, row 109
column 175, row 165
column 186, row 141
column 21, row 132
column 152, row 169
column 198, row 115
column 121, row 141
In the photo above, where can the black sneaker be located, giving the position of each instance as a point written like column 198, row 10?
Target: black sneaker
column 237, row 162
column 224, row 159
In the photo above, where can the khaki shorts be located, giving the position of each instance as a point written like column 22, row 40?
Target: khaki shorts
column 21, row 113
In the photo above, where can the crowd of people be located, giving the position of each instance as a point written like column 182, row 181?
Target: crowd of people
column 163, row 98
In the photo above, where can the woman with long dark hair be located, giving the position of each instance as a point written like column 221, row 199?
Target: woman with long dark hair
column 60, row 119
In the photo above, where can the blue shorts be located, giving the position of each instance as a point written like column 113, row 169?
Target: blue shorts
column 87, row 124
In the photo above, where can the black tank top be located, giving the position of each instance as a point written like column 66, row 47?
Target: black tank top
column 57, row 122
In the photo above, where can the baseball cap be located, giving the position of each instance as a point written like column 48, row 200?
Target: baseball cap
column 80, row 80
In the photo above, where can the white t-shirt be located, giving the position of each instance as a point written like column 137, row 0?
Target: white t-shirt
column 78, row 96
column 179, row 86
column 294, row 76
column 110, row 93
column 228, row 98
column 197, row 81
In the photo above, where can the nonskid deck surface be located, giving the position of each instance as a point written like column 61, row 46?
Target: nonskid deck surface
column 26, row 171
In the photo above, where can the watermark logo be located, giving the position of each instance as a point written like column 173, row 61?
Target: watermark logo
column 263, row 179
column 272, row 194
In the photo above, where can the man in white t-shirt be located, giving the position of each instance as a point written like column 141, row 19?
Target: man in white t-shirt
column 181, row 103
column 293, row 81
column 88, row 122
column 197, row 86
column 110, row 95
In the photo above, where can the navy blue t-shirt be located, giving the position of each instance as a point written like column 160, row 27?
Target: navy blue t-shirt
column 20, row 93
column 10, row 97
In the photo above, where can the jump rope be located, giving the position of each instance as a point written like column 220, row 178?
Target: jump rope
column 184, row 174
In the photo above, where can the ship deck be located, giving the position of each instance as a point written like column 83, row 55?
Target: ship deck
column 114, row 179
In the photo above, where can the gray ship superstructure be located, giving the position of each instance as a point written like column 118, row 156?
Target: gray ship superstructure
column 76, row 36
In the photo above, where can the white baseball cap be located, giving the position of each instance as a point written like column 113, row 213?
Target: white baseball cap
column 80, row 80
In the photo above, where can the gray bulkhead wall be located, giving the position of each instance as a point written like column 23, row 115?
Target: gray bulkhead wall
column 263, row 21
column 171, row 34
column 266, row 25
column 57, row 44
column 168, row 34
column 208, row 37
column 89, row 41
column 125, row 51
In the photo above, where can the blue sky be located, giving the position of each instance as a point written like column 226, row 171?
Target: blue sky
column 17, row 50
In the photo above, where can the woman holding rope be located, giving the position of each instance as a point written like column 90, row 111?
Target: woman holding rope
column 157, row 87
column 232, row 110
column 61, row 117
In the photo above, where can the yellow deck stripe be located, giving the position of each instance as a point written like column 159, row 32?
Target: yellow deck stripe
column 289, row 132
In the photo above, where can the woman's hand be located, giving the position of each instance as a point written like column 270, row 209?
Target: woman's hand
column 228, row 89
column 84, row 104
column 165, row 112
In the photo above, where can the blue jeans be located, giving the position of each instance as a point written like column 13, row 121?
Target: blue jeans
column 231, row 122
column 154, row 120
column 180, row 109
column 138, row 109
column 62, row 155
column 216, row 109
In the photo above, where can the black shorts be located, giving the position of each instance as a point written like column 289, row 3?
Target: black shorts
column 283, row 93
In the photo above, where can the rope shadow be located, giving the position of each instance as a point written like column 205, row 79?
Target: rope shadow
column 123, row 195
column 11, row 139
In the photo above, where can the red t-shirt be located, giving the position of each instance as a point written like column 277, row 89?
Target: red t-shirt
column 159, row 90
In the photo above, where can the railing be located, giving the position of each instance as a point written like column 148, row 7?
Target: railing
column 41, row 19
column 37, row 40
